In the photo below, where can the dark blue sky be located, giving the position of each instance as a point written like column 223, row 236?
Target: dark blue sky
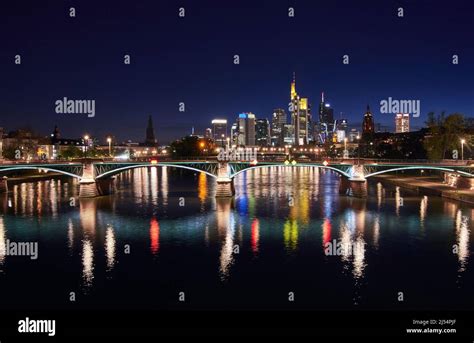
column 191, row 60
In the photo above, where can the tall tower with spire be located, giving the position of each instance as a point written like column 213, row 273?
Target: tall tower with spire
column 150, row 139
column 300, row 115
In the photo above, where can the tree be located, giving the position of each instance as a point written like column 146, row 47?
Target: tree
column 444, row 134
column 71, row 152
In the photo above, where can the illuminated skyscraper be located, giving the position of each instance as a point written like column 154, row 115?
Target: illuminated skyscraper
column 278, row 121
column 219, row 131
column 402, row 122
column 300, row 115
column 246, row 129
column 368, row 126
column 326, row 113
column 262, row 132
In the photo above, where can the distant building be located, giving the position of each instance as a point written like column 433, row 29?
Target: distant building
column 402, row 122
column 246, row 129
column 234, row 133
column 288, row 134
column 326, row 120
column 279, row 119
column 150, row 139
column 326, row 113
column 353, row 134
column 208, row 133
column 262, row 132
column 368, row 126
column 219, row 131
column 341, row 130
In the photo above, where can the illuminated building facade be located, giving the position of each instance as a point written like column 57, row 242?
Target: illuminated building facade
column 246, row 127
column 219, row 131
column 300, row 116
column 402, row 122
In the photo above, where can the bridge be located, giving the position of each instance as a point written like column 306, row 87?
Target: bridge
column 96, row 178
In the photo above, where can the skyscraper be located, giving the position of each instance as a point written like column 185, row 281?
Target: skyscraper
column 326, row 120
column 246, row 129
column 278, row 121
column 262, row 132
column 402, row 122
column 219, row 131
column 150, row 139
column 368, row 126
column 300, row 115
column 326, row 113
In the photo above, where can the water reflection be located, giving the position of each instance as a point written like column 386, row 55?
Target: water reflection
column 278, row 213
column 87, row 262
column 3, row 238
column 110, row 247
column 154, row 236
column 462, row 233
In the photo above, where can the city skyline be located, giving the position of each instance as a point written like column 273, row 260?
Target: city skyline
column 83, row 58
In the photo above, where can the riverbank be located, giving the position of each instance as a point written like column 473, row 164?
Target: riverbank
column 428, row 185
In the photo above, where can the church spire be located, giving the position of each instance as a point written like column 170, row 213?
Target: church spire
column 150, row 133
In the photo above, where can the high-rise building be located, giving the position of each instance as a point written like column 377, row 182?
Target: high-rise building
column 262, row 132
column 150, row 139
column 234, row 133
column 326, row 120
column 246, row 129
column 402, row 122
column 288, row 134
column 300, row 115
column 219, row 131
column 341, row 130
column 208, row 133
column 326, row 113
column 278, row 120
column 368, row 126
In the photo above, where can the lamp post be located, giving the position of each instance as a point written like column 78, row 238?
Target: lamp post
column 109, row 140
column 462, row 149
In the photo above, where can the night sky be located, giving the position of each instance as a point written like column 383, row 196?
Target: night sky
column 190, row 60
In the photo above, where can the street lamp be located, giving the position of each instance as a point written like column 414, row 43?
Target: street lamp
column 109, row 140
column 462, row 149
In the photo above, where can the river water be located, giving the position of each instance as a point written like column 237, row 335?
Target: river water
column 163, row 241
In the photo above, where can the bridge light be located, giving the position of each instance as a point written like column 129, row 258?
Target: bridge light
column 287, row 162
column 293, row 162
column 254, row 162
column 325, row 163
column 154, row 161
